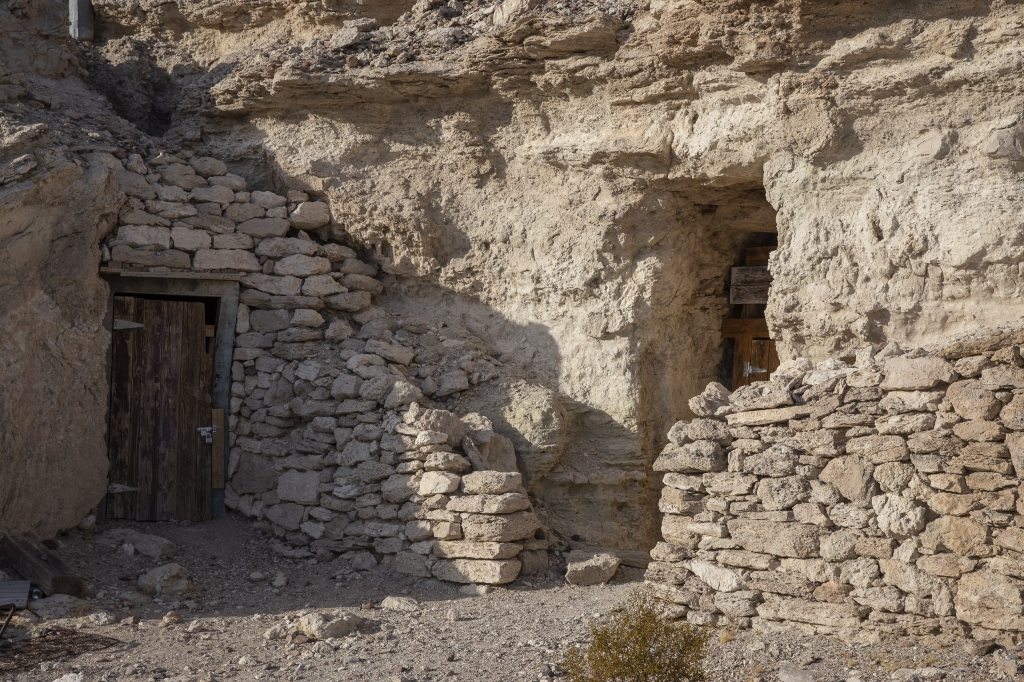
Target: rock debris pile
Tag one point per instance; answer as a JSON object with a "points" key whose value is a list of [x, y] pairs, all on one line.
{"points": [[879, 497], [334, 438]]}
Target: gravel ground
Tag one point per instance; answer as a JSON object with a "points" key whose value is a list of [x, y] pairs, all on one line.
{"points": [[519, 632]]}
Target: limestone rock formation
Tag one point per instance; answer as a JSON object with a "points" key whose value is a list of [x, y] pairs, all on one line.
{"points": [[568, 183]]}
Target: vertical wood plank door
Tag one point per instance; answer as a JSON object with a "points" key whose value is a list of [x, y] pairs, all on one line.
{"points": [[160, 394]]}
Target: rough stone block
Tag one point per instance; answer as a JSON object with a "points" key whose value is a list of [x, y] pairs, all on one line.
{"points": [[310, 215], [491, 482], [777, 461], [438, 483], [298, 265], [816, 613], [697, 457], [263, 227], [719, 578], [766, 417], [446, 549], [226, 259], [781, 539], [169, 258], [299, 486], [590, 568], [350, 302], [478, 571], [916, 374], [501, 528], [490, 504]]}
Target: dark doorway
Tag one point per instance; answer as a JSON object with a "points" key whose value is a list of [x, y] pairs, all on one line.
{"points": [[160, 396], [751, 355]]}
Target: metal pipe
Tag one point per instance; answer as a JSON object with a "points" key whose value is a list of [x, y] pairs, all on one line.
{"points": [[81, 20]]}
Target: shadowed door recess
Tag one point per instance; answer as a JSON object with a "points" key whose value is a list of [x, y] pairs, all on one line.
{"points": [[754, 354], [160, 465]]}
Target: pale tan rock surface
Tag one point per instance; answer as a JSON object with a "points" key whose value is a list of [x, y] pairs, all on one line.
{"points": [[590, 245]]}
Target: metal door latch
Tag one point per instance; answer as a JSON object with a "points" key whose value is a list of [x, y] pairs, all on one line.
{"points": [[749, 369], [207, 432]]}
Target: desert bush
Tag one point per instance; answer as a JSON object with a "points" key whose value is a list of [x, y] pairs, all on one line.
{"points": [[636, 642]]}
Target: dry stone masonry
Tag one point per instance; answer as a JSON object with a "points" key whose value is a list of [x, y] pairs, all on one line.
{"points": [[335, 440], [877, 497]]}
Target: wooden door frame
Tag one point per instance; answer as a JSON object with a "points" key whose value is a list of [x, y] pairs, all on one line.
{"points": [[226, 290]]}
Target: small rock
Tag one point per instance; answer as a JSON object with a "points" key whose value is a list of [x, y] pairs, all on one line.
{"points": [[791, 673], [280, 580], [71, 677], [322, 626], [130, 620], [256, 576], [102, 618], [173, 618], [152, 546], [590, 568], [978, 647], [169, 579], [406, 604]]}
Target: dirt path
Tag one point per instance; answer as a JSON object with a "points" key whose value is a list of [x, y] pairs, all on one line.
{"points": [[516, 633]]}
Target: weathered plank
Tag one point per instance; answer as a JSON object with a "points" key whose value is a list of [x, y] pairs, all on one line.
{"points": [[192, 454], [749, 275], [125, 390], [217, 454], [749, 294], [34, 562], [754, 327]]}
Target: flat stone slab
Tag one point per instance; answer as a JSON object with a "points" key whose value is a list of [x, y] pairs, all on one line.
{"points": [[765, 417]]}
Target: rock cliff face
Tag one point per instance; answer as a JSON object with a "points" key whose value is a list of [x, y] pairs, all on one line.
{"points": [[572, 182], [54, 208]]}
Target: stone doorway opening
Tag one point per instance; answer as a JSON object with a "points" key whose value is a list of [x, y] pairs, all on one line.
{"points": [[169, 368], [749, 352]]}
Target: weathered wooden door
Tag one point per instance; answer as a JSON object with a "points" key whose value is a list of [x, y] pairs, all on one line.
{"points": [[754, 357], [160, 394]]}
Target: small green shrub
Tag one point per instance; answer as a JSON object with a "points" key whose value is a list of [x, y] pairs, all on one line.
{"points": [[637, 643]]}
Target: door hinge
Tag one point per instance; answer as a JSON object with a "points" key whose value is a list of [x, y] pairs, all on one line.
{"points": [[207, 432], [125, 324], [749, 369]]}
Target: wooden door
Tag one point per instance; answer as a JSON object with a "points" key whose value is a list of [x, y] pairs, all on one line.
{"points": [[160, 393], [755, 357]]}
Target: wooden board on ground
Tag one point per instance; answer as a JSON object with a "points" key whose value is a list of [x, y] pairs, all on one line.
{"points": [[34, 562]]}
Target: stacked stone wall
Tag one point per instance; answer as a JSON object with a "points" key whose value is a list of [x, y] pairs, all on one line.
{"points": [[881, 497], [334, 436]]}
